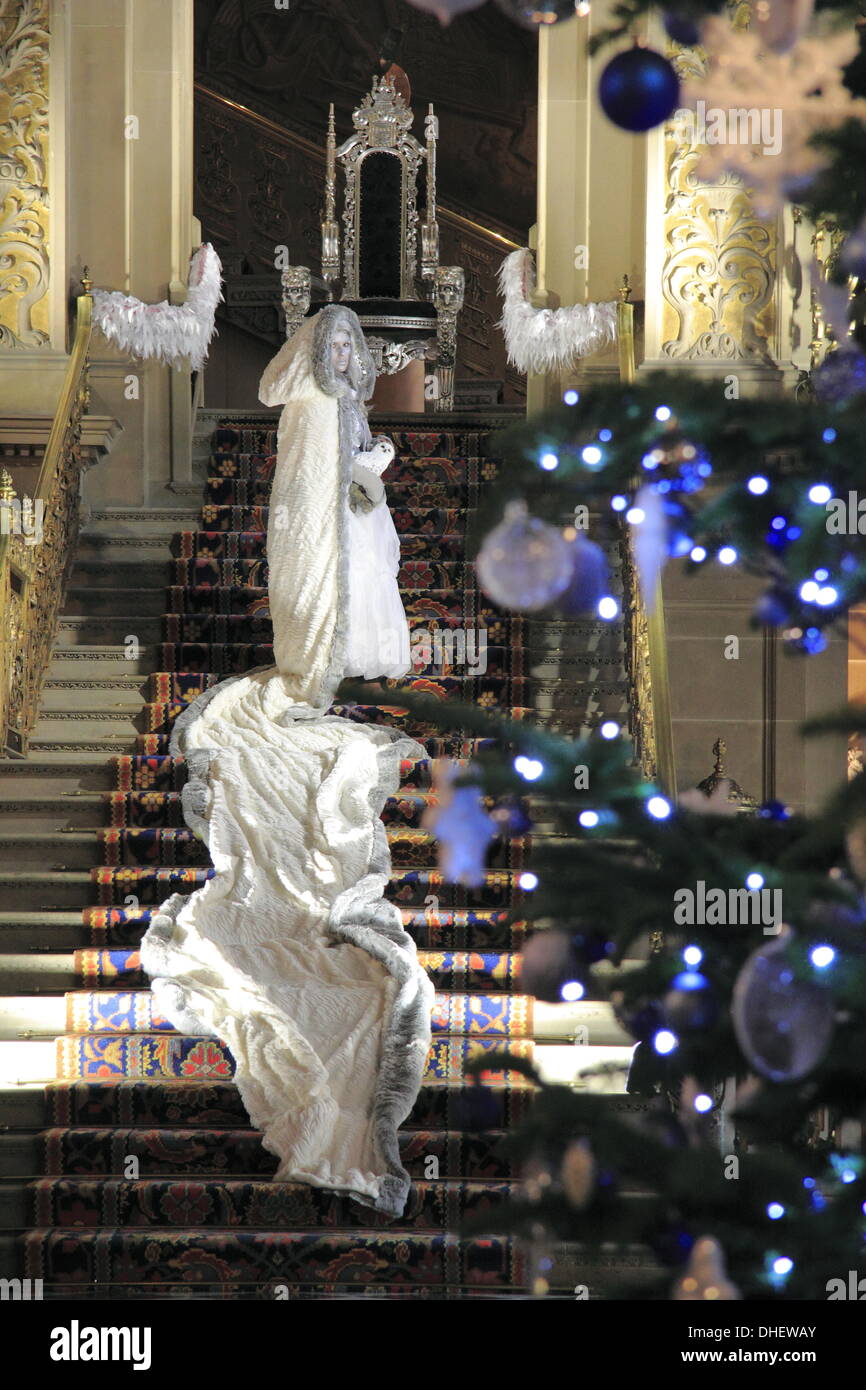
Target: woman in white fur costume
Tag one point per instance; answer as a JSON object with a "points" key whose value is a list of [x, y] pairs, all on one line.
{"points": [[332, 546], [290, 954]]}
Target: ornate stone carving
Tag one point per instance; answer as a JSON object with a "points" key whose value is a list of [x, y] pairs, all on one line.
{"points": [[297, 282], [382, 122], [391, 357], [719, 264], [449, 285], [24, 214]]}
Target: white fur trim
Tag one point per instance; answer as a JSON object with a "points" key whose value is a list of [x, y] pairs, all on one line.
{"points": [[168, 332], [548, 340]]}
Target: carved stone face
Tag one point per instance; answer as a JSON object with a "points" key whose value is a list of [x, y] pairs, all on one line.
{"points": [[341, 350], [449, 289], [296, 287]]}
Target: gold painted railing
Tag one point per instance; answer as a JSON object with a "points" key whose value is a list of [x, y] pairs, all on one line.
{"points": [[37, 543], [646, 641]]}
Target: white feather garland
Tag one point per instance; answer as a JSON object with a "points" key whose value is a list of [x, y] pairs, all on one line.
{"points": [[170, 333], [547, 340]]}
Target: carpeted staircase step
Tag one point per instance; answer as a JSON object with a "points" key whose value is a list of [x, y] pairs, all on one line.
{"points": [[212, 1151], [47, 1010], [155, 810], [250, 545], [55, 971], [202, 573], [191, 1106], [262, 1263], [473, 932], [130, 1011], [70, 1203]]}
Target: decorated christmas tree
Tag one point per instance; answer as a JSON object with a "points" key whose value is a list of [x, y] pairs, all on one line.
{"points": [[730, 943]]}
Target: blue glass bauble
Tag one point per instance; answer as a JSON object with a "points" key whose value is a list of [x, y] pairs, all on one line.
{"points": [[523, 563], [681, 28], [638, 89], [589, 577], [840, 376], [783, 1023]]}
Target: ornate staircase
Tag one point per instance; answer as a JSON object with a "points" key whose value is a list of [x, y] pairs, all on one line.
{"points": [[127, 1164]]}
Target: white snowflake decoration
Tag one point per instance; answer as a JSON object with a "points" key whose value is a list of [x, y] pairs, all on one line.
{"points": [[757, 109]]}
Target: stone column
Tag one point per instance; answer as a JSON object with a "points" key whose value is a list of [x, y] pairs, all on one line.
{"points": [[591, 189]]}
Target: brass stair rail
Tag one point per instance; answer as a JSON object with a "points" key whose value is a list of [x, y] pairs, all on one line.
{"points": [[647, 645], [37, 542]]}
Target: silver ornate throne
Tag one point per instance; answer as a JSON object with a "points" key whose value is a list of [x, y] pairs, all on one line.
{"points": [[407, 303]]}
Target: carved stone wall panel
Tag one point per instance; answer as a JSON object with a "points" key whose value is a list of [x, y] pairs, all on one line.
{"points": [[719, 264], [24, 195]]}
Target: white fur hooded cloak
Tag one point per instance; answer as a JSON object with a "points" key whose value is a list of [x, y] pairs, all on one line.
{"points": [[290, 953]]}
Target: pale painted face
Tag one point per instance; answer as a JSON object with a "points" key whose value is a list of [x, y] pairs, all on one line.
{"points": [[341, 350]]}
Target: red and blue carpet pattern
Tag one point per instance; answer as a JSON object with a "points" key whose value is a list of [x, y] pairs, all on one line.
{"points": [[153, 1180]]}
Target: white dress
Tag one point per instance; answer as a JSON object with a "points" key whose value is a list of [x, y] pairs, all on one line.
{"points": [[378, 634]]}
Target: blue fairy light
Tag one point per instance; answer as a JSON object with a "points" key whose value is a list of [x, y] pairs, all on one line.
{"points": [[703, 1103], [693, 955], [665, 1042], [549, 461], [821, 575], [528, 881], [819, 493], [592, 455], [635, 515], [813, 641], [754, 881], [698, 554], [663, 412], [609, 729], [758, 485], [588, 819], [822, 956], [705, 468], [618, 502], [778, 523], [794, 533], [571, 396], [572, 991], [663, 485], [658, 807], [530, 769], [605, 436], [607, 608], [827, 596], [828, 436], [649, 462], [809, 591], [775, 1211], [783, 1265], [727, 555]]}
